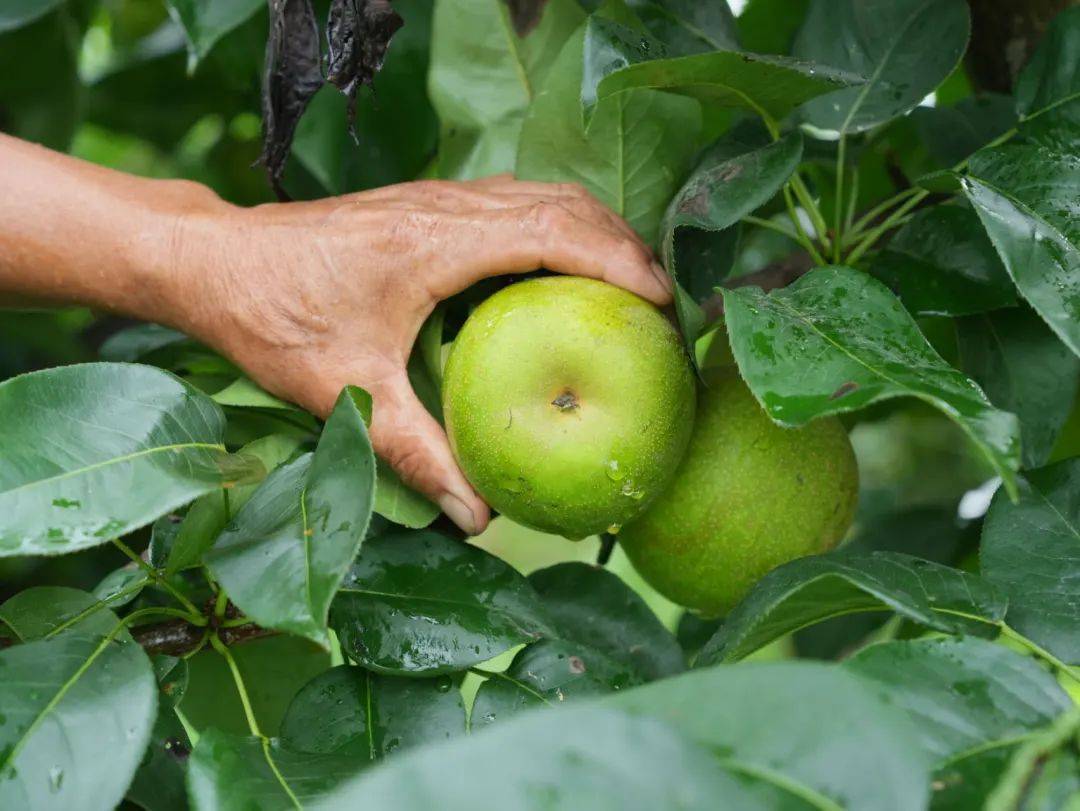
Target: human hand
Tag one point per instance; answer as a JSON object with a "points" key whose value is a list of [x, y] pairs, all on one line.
{"points": [[308, 297]]}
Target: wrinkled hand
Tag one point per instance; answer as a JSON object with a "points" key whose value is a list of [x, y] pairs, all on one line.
{"points": [[308, 297]]}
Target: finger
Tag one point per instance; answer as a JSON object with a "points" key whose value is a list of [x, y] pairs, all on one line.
{"points": [[542, 235], [409, 439]]}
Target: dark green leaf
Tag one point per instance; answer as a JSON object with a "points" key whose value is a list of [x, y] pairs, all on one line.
{"points": [[76, 431], [735, 178], [122, 585], [44, 610], [769, 26], [207, 21], [232, 772], [955, 133], [903, 48], [618, 59], [1031, 551], [942, 263], [823, 734], [1048, 88], [274, 669], [966, 783], [420, 602], [1025, 369], [159, 783], [1028, 199], [966, 695], [591, 758], [483, 79], [172, 676], [284, 556], [638, 146], [65, 701], [837, 340], [352, 711], [546, 674], [688, 26], [816, 588], [592, 608], [694, 631], [1044, 773], [17, 13]]}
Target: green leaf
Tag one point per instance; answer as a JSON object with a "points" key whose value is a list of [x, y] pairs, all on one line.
{"points": [[769, 26], [903, 48], [1048, 88], [243, 393], [942, 263], [546, 674], [1028, 199], [159, 784], [618, 59], [590, 757], [821, 733], [230, 772], [1031, 551], [121, 586], [1025, 369], [397, 141], [63, 702], [483, 78], [274, 669], [136, 342], [837, 340], [737, 176], [422, 603], [207, 21], [284, 556], [395, 500], [688, 26], [38, 612], [638, 146], [18, 13], [816, 588], [76, 431], [352, 711], [1044, 773], [592, 608], [966, 695], [954, 133]]}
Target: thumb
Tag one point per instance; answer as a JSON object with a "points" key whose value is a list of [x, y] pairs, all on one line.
{"points": [[413, 443]]}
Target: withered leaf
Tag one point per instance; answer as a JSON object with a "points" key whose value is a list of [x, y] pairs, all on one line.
{"points": [[358, 33]]}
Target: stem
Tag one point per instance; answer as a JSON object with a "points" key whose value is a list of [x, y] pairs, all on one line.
{"points": [[221, 605], [872, 214], [219, 646], [852, 200], [1070, 671], [772, 226], [154, 575], [802, 239], [192, 733], [806, 200], [838, 206], [891, 221]]}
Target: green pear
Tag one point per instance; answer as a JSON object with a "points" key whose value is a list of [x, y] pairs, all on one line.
{"points": [[568, 403], [749, 495]]}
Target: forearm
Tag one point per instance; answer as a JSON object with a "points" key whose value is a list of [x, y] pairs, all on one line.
{"points": [[75, 233]]}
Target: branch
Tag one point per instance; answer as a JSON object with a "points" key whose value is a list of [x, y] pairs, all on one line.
{"points": [[178, 638]]}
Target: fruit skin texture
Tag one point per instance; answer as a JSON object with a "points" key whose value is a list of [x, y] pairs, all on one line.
{"points": [[569, 403], [748, 496]]}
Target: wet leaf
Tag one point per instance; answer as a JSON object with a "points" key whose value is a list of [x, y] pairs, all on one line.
{"points": [[903, 48], [942, 263], [74, 432], [422, 603], [284, 555], [1028, 199], [351, 711], [589, 757], [1048, 88], [1025, 369], [159, 784], [957, 132], [618, 58], [688, 26], [966, 695], [816, 588], [292, 76], [63, 701], [1031, 551], [43, 611], [483, 79], [637, 148], [736, 176], [837, 340], [841, 744]]}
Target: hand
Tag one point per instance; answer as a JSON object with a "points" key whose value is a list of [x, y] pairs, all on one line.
{"points": [[308, 297]]}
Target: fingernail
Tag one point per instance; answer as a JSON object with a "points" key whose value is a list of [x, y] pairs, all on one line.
{"points": [[661, 275], [458, 512]]}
